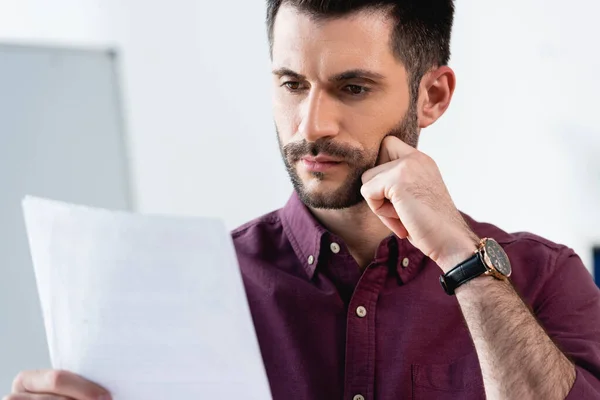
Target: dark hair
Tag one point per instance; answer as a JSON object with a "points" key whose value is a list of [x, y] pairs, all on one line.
{"points": [[421, 38]]}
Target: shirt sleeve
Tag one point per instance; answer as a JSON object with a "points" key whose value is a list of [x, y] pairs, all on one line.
{"points": [[586, 386], [569, 311]]}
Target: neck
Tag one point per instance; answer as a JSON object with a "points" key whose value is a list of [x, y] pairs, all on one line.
{"points": [[361, 230]]}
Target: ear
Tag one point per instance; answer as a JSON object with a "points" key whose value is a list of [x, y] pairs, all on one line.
{"points": [[435, 94]]}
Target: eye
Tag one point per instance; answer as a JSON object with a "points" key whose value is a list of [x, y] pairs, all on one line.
{"points": [[292, 86], [356, 90]]}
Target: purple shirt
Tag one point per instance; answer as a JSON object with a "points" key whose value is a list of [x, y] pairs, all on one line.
{"points": [[329, 331]]}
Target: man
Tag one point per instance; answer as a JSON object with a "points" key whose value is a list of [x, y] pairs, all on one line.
{"points": [[344, 281]]}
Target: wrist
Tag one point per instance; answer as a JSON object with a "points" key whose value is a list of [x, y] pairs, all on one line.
{"points": [[480, 285], [458, 252]]}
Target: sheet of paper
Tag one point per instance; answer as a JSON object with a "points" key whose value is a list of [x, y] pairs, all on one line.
{"points": [[150, 307]]}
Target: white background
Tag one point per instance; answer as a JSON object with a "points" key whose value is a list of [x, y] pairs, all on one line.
{"points": [[519, 146]]}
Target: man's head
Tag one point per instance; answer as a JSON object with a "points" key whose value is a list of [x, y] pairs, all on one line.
{"points": [[348, 73]]}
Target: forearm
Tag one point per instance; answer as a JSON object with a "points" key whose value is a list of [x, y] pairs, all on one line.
{"points": [[518, 360]]}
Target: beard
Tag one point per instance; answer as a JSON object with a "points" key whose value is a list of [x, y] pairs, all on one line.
{"points": [[358, 161]]}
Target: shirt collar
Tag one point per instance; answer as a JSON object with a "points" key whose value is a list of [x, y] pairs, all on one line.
{"points": [[303, 231], [306, 235]]}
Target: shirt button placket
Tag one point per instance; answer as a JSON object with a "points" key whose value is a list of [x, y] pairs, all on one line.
{"points": [[361, 334]]}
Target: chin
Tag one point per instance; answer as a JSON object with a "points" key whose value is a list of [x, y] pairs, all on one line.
{"points": [[329, 202], [330, 197], [323, 190]]}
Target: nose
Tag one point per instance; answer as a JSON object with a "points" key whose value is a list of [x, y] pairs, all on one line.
{"points": [[319, 117]]}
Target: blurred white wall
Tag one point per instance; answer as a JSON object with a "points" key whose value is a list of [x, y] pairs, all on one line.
{"points": [[197, 80], [70, 22], [60, 137], [519, 146]]}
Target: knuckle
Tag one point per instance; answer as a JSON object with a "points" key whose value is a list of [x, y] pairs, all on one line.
{"points": [[365, 177], [93, 391], [403, 168], [56, 379], [425, 160], [364, 190], [18, 380]]}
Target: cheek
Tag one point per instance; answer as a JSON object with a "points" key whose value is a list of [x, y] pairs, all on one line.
{"points": [[367, 131], [286, 116]]}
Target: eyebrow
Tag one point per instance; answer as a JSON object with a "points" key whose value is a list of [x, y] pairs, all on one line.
{"points": [[344, 76]]}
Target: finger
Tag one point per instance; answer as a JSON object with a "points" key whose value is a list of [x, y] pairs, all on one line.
{"points": [[369, 174], [391, 153], [386, 212], [392, 149], [388, 215], [58, 382], [396, 226], [374, 194], [377, 200], [31, 396]]}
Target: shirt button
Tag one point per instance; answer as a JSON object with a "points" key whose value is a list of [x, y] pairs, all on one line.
{"points": [[361, 312], [405, 262], [358, 397], [311, 260], [335, 248]]}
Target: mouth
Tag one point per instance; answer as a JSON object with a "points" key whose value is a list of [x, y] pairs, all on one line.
{"points": [[320, 163]]}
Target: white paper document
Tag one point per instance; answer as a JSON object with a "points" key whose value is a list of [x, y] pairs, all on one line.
{"points": [[150, 307]]}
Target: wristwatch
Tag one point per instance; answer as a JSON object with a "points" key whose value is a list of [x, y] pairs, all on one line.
{"points": [[488, 259]]}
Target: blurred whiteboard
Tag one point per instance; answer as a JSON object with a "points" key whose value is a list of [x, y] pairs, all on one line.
{"points": [[61, 136]]}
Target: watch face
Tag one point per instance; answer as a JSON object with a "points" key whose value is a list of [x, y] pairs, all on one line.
{"points": [[497, 257]]}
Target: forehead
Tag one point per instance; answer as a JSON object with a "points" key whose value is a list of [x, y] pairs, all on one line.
{"points": [[358, 40]]}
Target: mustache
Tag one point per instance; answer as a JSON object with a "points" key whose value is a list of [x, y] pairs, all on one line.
{"points": [[296, 150]]}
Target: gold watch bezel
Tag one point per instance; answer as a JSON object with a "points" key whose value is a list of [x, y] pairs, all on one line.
{"points": [[491, 269]]}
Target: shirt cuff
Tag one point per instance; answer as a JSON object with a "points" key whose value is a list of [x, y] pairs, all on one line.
{"points": [[586, 386]]}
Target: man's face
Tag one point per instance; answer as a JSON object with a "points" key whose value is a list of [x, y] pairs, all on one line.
{"points": [[338, 91]]}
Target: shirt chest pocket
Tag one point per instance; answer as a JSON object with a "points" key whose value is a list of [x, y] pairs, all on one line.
{"points": [[460, 379]]}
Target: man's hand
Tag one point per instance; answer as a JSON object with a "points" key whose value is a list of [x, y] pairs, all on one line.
{"points": [[407, 192], [54, 385], [517, 357]]}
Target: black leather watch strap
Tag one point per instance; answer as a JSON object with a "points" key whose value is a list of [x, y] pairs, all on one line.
{"points": [[462, 273]]}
